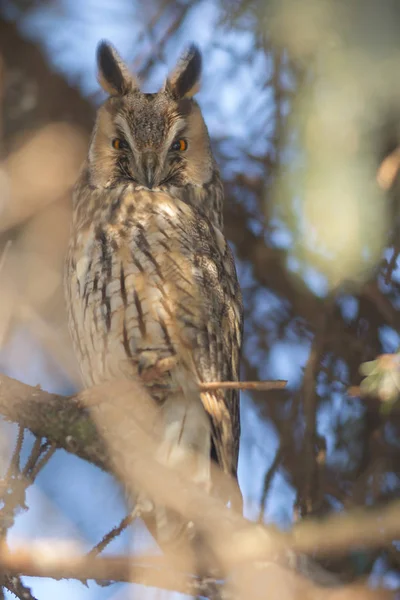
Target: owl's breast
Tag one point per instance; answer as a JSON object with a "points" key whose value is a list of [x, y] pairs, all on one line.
{"points": [[148, 280], [128, 282]]}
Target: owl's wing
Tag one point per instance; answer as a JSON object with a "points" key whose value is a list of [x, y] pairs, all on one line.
{"points": [[217, 353], [199, 307], [217, 336]]}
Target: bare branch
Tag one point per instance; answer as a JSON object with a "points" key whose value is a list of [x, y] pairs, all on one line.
{"points": [[260, 386], [62, 419], [373, 528], [115, 532], [235, 541], [14, 584], [60, 561], [308, 490]]}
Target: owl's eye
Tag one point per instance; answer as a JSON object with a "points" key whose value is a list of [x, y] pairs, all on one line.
{"points": [[119, 144], [179, 145]]}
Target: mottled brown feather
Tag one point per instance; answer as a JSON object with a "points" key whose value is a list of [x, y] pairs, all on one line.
{"points": [[150, 279]]}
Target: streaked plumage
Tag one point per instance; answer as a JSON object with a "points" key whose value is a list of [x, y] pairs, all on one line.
{"points": [[149, 274]]}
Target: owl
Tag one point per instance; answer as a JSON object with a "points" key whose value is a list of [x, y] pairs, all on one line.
{"points": [[151, 286]]}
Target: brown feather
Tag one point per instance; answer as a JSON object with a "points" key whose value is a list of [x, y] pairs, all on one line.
{"points": [[151, 285]]}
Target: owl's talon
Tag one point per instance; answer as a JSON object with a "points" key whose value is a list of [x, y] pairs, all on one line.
{"points": [[149, 369], [147, 360]]}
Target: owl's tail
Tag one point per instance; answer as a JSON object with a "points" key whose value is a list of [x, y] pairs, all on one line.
{"points": [[185, 445]]}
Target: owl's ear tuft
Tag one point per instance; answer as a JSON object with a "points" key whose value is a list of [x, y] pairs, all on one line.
{"points": [[184, 81], [114, 76]]}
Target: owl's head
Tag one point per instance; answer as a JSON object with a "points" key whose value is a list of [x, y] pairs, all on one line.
{"points": [[156, 139]]}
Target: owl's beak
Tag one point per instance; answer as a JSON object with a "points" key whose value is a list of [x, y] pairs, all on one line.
{"points": [[149, 163]]}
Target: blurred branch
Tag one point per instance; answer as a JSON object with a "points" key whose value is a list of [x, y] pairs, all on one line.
{"points": [[268, 479], [12, 498], [115, 532], [268, 264], [55, 99], [308, 487], [373, 528], [66, 421], [180, 13], [388, 169], [58, 561], [384, 306], [14, 585], [285, 443]]}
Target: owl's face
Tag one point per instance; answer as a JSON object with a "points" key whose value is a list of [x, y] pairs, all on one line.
{"points": [[153, 140]]}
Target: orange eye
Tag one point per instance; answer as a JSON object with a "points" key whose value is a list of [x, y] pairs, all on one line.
{"points": [[119, 144], [180, 145]]}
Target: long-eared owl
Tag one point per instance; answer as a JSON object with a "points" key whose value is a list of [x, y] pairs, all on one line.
{"points": [[150, 279]]}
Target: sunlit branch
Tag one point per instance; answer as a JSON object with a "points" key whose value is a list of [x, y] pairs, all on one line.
{"points": [[58, 561], [61, 419], [261, 386]]}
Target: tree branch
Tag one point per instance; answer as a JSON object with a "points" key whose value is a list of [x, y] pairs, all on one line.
{"points": [[67, 422], [59, 561], [63, 420]]}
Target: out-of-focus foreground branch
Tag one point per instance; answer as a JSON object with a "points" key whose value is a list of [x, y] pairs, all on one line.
{"points": [[122, 415], [60, 561]]}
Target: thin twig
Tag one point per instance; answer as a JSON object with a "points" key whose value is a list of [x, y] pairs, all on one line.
{"points": [[14, 488], [286, 440], [115, 532], [166, 364], [267, 480], [14, 584], [382, 303], [41, 462], [243, 385], [14, 466], [58, 562], [16, 482], [391, 265], [33, 457], [308, 491], [169, 31]]}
